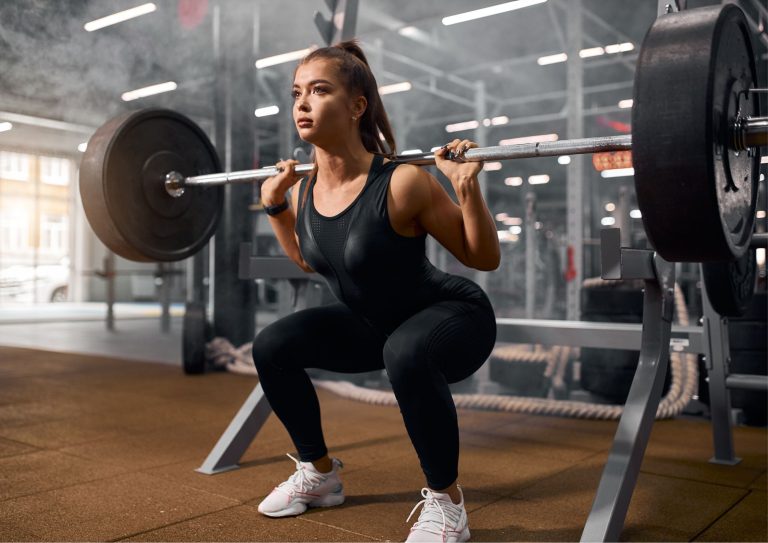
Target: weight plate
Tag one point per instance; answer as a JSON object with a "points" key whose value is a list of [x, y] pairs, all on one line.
{"points": [[730, 285], [696, 195], [194, 337], [122, 176]]}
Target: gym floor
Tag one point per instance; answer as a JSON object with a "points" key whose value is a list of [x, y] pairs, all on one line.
{"points": [[103, 446]]}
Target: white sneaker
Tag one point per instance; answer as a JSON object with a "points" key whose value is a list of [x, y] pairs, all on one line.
{"points": [[440, 519], [305, 488]]}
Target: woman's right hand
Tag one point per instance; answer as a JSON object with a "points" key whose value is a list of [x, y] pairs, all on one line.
{"points": [[273, 189]]}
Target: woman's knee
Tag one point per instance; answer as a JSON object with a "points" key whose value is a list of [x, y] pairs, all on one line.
{"points": [[405, 357], [270, 348]]}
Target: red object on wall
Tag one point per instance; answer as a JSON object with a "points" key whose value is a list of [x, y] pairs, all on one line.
{"points": [[612, 160], [570, 270], [192, 12]]}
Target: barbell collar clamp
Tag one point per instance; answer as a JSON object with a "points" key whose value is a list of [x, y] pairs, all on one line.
{"points": [[749, 132]]}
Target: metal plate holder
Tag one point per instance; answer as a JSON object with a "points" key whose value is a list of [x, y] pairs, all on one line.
{"points": [[617, 483]]}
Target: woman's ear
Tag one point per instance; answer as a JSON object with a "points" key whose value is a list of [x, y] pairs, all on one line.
{"points": [[359, 106]]}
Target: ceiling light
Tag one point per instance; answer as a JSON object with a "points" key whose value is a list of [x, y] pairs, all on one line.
{"points": [[619, 48], [764, 160], [635, 214], [489, 11], [530, 139], [607, 221], [458, 127], [82, 147], [513, 181], [626, 104], [409, 31], [266, 111], [149, 91], [542, 179], [283, 58], [619, 172], [591, 52], [395, 87], [761, 214], [412, 152], [120, 17], [501, 119], [491, 166], [486, 122], [513, 221], [501, 216], [610, 206], [552, 59], [565, 159], [515, 229], [5, 127]]}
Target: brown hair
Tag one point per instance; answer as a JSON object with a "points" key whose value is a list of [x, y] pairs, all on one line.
{"points": [[356, 75]]}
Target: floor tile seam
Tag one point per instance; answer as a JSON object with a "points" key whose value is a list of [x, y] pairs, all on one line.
{"points": [[16, 441], [176, 522], [303, 519], [591, 451], [762, 472], [692, 480], [720, 516]]}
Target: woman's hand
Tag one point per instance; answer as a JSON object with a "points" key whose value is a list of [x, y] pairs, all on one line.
{"points": [[456, 170], [273, 189]]}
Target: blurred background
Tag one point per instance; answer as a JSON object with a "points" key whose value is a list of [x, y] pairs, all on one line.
{"points": [[549, 70]]}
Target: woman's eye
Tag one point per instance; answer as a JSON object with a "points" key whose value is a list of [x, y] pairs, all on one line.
{"points": [[318, 90]]}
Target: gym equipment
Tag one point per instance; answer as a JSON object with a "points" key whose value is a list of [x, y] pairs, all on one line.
{"points": [[731, 284], [195, 333], [150, 194], [121, 177]]}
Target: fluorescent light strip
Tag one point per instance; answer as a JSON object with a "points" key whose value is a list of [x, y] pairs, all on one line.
{"points": [[5, 127], [458, 127], [149, 91], [491, 166], [530, 139], [513, 181], [626, 104], [542, 179], [82, 147], [761, 214], [412, 152], [515, 229], [489, 11], [607, 221], [635, 214], [619, 172], [552, 59], [395, 87], [283, 58], [591, 52], [120, 17], [619, 48], [409, 31], [764, 160], [513, 221], [267, 111], [565, 159]]}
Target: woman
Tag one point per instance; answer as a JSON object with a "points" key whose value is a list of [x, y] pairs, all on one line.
{"points": [[361, 221]]}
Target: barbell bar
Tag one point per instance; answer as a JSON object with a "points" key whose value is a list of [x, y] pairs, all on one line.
{"points": [[695, 143]]}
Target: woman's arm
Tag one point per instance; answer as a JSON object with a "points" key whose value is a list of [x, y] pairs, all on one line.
{"points": [[467, 230], [273, 192]]}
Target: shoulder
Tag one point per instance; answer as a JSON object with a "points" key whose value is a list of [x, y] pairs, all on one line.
{"points": [[410, 182]]}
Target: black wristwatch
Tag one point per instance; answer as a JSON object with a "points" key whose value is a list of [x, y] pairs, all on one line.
{"points": [[276, 209]]}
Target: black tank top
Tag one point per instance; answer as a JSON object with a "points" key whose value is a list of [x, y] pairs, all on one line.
{"points": [[381, 275]]}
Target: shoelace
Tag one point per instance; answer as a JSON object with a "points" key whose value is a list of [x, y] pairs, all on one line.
{"points": [[303, 479], [429, 515]]}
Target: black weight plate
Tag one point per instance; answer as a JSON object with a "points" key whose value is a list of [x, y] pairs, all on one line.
{"points": [[122, 177], [193, 336], [730, 285], [697, 197]]}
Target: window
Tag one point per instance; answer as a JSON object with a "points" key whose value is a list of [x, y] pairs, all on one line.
{"points": [[53, 234], [14, 231], [14, 166], [54, 171]]}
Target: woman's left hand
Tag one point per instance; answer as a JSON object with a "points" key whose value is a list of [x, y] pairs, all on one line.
{"points": [[455, 170]]}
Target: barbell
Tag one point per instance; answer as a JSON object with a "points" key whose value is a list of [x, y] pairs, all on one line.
{"points": [[152, 190]]}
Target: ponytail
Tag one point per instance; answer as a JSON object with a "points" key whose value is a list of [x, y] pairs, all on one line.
{"points": [[356, 75]]}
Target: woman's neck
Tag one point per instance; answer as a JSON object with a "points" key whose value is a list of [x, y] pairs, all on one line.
{"points": [[341, 164]]}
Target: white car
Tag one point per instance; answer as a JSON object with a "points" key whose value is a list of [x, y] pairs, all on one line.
{"points": [[46, 283]]}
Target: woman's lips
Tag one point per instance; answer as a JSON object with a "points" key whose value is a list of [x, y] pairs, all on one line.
{"points": [[304, 123]]}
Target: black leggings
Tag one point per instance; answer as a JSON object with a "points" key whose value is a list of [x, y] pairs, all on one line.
{"points": [[444, 343]]}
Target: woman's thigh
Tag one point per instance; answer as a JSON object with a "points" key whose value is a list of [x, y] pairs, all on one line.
{"points": [[455, 337], [329, 337]]}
